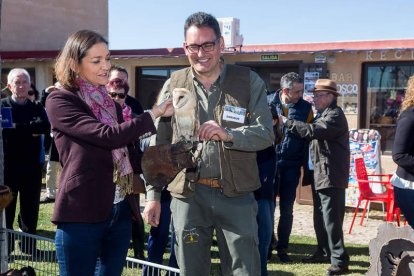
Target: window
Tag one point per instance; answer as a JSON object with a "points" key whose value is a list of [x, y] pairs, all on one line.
{"points": [[384, 85], [149, 82]]}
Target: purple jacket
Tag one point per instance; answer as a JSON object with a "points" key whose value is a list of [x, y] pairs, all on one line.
{"points": [[86, 190]]}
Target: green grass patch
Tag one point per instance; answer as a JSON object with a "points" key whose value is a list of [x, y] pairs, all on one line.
{"points": [[300, 247]]}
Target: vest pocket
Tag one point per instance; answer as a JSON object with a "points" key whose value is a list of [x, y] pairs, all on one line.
{"points": [[243, 171]]}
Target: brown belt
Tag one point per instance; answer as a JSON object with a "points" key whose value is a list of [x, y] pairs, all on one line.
{"points": [[213, 183]]}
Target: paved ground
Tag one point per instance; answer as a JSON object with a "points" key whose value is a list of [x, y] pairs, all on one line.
{"points": [[303, 224]]}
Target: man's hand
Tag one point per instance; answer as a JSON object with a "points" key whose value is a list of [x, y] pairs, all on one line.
{"points": [[152, 212], [211, 130], [282, 119]]}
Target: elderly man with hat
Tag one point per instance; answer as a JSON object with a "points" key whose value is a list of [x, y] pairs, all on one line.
{"points": [[329, 157]]}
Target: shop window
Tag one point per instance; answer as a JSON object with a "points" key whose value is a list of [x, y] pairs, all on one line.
{"points": [[149, 83], [385, 89]]}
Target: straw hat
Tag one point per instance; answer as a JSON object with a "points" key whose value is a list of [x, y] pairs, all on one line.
{"points": [[326, 85]]}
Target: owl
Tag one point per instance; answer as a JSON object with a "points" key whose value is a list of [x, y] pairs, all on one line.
{"points": [[185, 121]]}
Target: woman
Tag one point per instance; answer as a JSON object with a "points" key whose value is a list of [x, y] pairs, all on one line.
{"points": [[94, 201], [403, 156], [118, 91]]}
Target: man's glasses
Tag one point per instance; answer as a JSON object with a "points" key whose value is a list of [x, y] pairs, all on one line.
{"points": [[119, 95], [207, 47], [31, 93]]}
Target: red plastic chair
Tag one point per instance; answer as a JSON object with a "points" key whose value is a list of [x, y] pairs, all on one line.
{"points": [[365, 192], [394, 212]]}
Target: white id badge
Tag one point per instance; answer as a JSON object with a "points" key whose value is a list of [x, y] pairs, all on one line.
{"points": [[234, 114]]}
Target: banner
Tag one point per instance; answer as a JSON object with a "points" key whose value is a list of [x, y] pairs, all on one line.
{"points": [[363, 143]]}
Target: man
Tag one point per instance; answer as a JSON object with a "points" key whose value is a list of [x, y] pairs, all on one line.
{"points": [[235, 122], [119, 72], [329, 152], [22, 146], [288, 102]]}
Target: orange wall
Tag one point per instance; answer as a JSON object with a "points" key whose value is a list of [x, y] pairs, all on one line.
{"points": [[45, 24]]}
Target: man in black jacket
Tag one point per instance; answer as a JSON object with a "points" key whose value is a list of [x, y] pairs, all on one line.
{"points": [[22, 146], [329, 152], [288, 102]]}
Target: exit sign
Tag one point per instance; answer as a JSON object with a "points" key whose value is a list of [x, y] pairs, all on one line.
{"points": [[269, 57]]}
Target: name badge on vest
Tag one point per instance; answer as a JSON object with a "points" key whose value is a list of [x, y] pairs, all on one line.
{"points": [[234, 114]]}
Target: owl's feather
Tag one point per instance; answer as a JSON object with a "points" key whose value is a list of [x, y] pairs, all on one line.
{"points": [[185, 120]]}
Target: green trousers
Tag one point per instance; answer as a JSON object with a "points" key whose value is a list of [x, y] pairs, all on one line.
{"points": [[234, 221]]}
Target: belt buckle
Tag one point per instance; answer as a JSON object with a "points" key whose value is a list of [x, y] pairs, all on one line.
{"points": [[214, 182]]}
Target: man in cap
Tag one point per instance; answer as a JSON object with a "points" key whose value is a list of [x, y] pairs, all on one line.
{"points": [[329, 155]]}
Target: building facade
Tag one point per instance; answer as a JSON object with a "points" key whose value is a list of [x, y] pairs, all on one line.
{"points": [[44, 25], [371, 75]]}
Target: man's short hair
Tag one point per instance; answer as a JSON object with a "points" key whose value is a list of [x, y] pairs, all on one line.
{"points": [[288, 79], [118, 68], [15, 72], [202, 19]]}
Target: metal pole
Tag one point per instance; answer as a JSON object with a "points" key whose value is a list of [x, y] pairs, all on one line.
{"points": [[3, 242]]}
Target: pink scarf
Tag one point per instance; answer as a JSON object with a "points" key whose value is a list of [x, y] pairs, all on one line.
{"points": [[103, 107], [127, 113]]}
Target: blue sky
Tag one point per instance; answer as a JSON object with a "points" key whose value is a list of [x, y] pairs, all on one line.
{"points": [[144, 24]]}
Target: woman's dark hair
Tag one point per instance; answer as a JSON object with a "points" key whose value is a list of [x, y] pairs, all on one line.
{"points": [[118, 84], [73, 52]]}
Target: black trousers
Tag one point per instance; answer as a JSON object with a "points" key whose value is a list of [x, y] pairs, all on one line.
{"points": [[138, 235], [25, 182], [328, 218]]}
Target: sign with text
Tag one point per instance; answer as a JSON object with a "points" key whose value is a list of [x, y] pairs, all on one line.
{"points": [[6, 117], [269, 57]]}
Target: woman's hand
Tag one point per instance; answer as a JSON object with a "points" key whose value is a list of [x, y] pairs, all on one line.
{"points": [[164, 109]]}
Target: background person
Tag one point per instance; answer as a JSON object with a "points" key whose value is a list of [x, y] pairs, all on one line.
{"points": [[403, 156], [329, 152], [118, 90], [119, 72], [159, 236], [22, 155], [53, 170], [34, 96], [94, 203], [53, 167], [291, 151], [222, 199], [266, 194], [116, 74], [266, 202]]}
